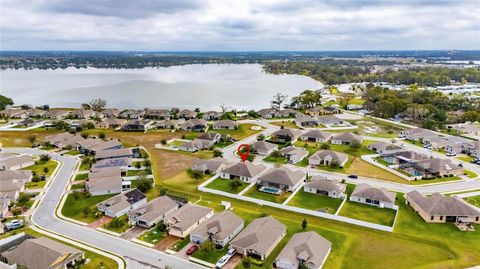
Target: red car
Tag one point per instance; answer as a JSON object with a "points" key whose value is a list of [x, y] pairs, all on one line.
{"points": [[192, 249]]}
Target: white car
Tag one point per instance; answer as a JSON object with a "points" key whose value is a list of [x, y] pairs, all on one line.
{"points": [[14, 224], [223, 260]]}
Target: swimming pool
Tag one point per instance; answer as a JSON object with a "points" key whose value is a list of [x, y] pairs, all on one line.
{"points": [[270, 190]]}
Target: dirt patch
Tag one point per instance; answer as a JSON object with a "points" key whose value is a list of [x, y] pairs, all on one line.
{"points": [[233, 262], [100, 222], [166, 243]]}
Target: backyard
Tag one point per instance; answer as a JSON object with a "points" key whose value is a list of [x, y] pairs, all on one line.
{"points": [[315, 202], [224, 185], [254, 193], [80, 207]]}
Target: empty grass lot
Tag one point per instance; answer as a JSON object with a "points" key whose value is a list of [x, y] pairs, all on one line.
{"points": [[383, 216], [222, 184], [474, 200], [82, 208], [254, 193], [315, 202]]}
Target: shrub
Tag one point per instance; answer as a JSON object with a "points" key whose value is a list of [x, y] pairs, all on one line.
{"points": [[194, 174], [163, 142], [246, 262], [217, 153], [46, 170], [144, 185], [35, 179], [161, 226], [44, 158], [102, 135]]}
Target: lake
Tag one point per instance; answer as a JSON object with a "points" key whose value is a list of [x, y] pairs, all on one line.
{"points": [[240, 86]]}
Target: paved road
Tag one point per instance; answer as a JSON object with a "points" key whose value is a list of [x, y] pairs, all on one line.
{"points": [[44, 217]]}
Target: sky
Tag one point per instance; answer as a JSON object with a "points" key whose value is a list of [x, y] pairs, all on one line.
{"points": [[239, 25]]}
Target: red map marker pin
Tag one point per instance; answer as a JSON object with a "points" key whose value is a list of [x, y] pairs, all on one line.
{"points": [[243, 150]]}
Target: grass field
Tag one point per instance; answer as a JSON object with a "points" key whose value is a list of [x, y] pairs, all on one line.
{"points": [[474, 200], [72, 152], [210, 256], [82, 176], [470, 174], [131, 173], [224, 185], [38, 167], [82, 208], [243, 131], [35, 185], [279, 160], [180, 244], [285, 123], [315, 202]]}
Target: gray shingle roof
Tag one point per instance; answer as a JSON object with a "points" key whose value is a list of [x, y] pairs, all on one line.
{"points": [[322, 183], [438, 204], [246, 169], [220, 225], [283, 176], [366, 191]]}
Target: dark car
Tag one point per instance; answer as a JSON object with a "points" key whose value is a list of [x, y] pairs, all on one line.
{"points": [[353, 176], [192, 249]]}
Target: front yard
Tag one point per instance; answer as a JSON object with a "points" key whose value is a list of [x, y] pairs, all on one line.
{"points": [[210, 255], [243, 131], [180, 244], [39, 168], [83, 208], [222, 184], [254, 193], [118, 225], [153, 236], [315, 202]]}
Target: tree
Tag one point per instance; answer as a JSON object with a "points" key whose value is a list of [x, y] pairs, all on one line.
{"points": [[355, 146], [144, 185], [161, 226], [86, 106], [22, 198], [147, 163], [195, 174], [217, 153], [278, 100], [102, 135], [325, 146], [45, 170], [98, 104], [246, 262], [32, 139], [261, 137], [163, 142], [44, 158], [207, 246], [5, 101], [234, 184], [304, 224]]}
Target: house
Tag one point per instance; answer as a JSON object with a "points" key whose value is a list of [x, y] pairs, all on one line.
{"points": [[16, 162], [152, 212], [247, 171], [317, 111], [264, 148], [289, 113], [202, 141], [212, 115], [321, 185], [328, 158], [122, 203], [267, 113], [111, 123], [472, 149], [354, 107], [417, 134], [366, 194], [114, 153], [12, 182], [211, 166], [57, 114], [316, 136], [41, 253], [80, 123], [26, 122], [282, 178], [197, 125], [306, 121], [83, 114], [158, 114], [382, 147], [331, 110], [63, 140], [347, 139], [186, 114], [294, 154], [110, 113], [225, 124], [438, 208], [438, 167], [123, 163], [137, 125], [169, 124], [188, 217], [259, 238], [36, 113], [285, 135], [304, 250], [105, 145], [105, 181], [131, 114], [331, 120], [468, 128], [220, 228], [16, 175]]}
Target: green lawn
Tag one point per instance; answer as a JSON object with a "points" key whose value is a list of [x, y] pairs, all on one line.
{"points": [[180, 244], [72, 152], [243, 131], [254, 193], [81, 176], [78, 186], [474, 200], [383, 216], [175, 143], [222, 184], [153, 236], [210, 256], [119, 225], [466, 158], [279, 160], [285, 123], [35, 185], [315, 202], [85, 165], [434, 180], [469, 174], [38, 167], [131, 173], [83, 208]]}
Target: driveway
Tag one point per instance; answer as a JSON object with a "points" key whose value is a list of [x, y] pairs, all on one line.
{"points": [[183, 252], [233, 262], [99, 223], [133, 233], [166, 243]]}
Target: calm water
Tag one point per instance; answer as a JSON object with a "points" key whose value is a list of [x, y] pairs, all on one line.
{"points": [[205, 86]]}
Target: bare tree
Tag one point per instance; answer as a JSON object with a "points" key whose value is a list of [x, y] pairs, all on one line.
{"points": [[278, 100], [98, 104]]}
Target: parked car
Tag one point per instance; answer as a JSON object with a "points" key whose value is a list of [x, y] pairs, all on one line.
{"points": [[353, 176], [451, 154], [192, 249], [231, 252], [14, 224], [223, 260]]}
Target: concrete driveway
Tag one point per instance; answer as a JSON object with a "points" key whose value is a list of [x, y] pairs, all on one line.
{"points": [[183, 252]]}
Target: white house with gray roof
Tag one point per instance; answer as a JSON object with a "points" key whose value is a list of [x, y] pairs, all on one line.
{"points": [[185, 219], [327, 158], [316, 135], [264, 148], [225, 124], [286, 135], [220, 228], [120, 204], [16, 162], [282, 178], [346, 139], [152, 212], [307, 249], [247, 172], [322, 185], [366, 194], [294, 154], [259, 238], [210, 166], [383, 147]]}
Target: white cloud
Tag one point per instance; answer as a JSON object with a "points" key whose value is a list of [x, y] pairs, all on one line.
{"points": [[239, 25]]}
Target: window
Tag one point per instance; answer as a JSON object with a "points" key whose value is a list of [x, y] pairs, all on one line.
{"points": [[441, 217], [431, 218]]}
